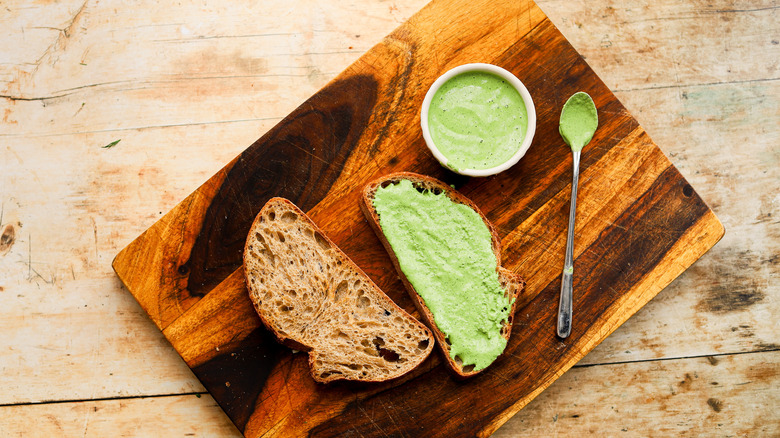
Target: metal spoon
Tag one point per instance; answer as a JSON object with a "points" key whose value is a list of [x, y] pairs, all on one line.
{"points": [[577, 126]]}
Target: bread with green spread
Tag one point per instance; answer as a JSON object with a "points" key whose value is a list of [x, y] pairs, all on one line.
{"points": [[448, 256], [315, 299]]}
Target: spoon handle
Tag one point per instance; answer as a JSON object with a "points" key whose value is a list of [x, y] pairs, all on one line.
{"points": [[565, 305]]}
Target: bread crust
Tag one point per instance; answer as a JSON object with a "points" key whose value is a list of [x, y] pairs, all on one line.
{"points": [[512, 283], [346, 263]]}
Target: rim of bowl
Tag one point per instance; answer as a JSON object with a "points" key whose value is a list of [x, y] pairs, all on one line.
{"points": [[512, 80]]}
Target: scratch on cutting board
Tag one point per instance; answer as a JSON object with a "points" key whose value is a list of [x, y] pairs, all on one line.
{"points": [[31, 270], [29, 256], [86, 419], [365, 413], [94, 230], [307, 152], [389, 415], [60, 43]]}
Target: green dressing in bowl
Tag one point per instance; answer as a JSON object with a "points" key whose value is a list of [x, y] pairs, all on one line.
{"points": [[477, 120]]}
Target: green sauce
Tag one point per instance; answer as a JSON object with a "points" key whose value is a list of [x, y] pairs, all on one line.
{"points": [[477, 120], [579, 121], [444, 250]]}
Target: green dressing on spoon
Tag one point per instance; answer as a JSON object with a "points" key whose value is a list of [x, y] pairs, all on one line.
{"points": [[579, 121]]}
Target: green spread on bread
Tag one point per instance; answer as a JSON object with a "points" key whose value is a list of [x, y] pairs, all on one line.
{"points": [[444, 250]]}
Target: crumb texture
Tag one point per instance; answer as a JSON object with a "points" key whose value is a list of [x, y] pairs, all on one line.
{"points": [[308, 292]]}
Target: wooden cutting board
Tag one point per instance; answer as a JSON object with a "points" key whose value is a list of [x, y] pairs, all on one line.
{"points": [[639, 225]]}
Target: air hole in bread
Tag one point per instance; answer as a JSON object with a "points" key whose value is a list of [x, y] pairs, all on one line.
{"points": [[343, 335], [326, 374], [271, 216], [280, 236], [363, 301], [458, 361], [321, 241], [341, 289], [389, 355], [364, 343], [506, 326], [265, 252], [378, 342], [447, 340], [387, 183], [468, 368], [422, 345], [436, 191], [292, 293], [289, 217], [285, 308], [353, 366]]}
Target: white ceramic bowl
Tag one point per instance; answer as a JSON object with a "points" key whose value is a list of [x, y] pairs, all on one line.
{"points": [[512, 80]]}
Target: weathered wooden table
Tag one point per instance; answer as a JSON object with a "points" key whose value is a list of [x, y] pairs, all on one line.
{"points": [[186, 88]]}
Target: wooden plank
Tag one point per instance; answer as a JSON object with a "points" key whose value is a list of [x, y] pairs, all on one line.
{"points": [[641, 45], [729, 395], [130, 417], [61, 346], [255, 63], [320, 156], [125, 189]]}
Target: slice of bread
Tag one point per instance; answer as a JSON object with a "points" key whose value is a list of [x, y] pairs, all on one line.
{"points": [[511, 283], [315, 299]]}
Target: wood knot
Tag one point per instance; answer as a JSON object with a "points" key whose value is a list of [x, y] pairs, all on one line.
{"points": [[7, 239]]}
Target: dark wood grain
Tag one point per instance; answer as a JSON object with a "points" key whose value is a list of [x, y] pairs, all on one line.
{"points": [[298, 159], [639, 226]]}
